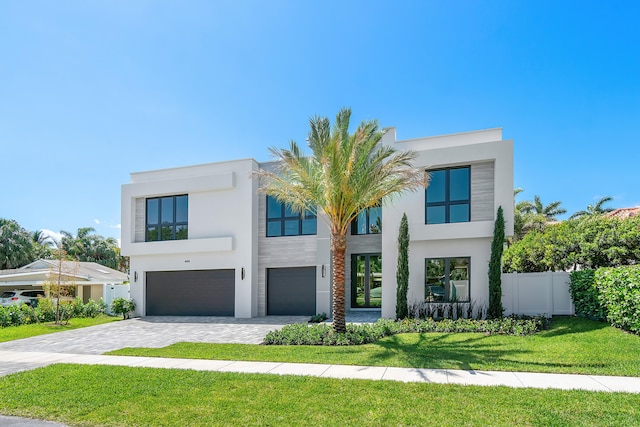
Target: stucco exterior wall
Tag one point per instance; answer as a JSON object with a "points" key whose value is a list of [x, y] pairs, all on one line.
{"points": [[491, 162], [227, 224], [222, 227]]}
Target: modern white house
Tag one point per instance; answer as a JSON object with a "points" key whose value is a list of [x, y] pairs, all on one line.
{"points": [[203, 241]]}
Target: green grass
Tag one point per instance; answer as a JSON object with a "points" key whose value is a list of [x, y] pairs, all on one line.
{"points": [[25, 331], [571, 345], [124, 396]]}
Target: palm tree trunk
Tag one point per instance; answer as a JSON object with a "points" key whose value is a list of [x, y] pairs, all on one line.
{"points": [[338, 249]]}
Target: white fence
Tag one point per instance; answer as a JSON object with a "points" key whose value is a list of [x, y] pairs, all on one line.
{"points": [[537, 293], [111, 292]]}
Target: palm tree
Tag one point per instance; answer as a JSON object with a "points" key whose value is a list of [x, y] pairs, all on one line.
{"points": [[518, 217], [43, 244], [345, 174], [42, 238], [593, 210], [90, 247], [77, 246], [549, 212]]}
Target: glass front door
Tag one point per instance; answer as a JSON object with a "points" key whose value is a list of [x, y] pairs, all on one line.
{"points": [[366, 281]]}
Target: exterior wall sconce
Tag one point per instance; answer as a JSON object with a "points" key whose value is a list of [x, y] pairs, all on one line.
{"points": [[242, 273], [135, 276], [324, 270]]}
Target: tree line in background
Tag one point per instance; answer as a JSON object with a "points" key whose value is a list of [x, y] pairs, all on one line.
{"points": [[19, 247], [536, 216], [588, 239]]}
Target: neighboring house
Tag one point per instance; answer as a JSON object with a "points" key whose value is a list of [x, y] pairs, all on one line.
{"points": [[203, 241], [624, 213], [89, 278]]}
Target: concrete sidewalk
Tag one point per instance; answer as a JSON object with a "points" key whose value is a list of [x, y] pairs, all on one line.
{"points": [[21, 360]]}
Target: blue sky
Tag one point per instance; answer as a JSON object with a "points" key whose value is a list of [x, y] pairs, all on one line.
{"points": [[91, 91]]}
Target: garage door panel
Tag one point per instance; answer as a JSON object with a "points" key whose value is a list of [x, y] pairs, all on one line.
{"points": [[291, 291], [190, 293]]}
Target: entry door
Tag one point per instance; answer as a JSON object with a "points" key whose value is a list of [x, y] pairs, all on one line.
{"points": [[366, 281]]}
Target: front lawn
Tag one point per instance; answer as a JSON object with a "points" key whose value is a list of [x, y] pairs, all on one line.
{"points": [[124, 396], [570, 345], [25, 331]]}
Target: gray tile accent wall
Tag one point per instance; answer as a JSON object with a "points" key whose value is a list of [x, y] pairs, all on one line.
{"points": [[359, 244], [482, 190], [275, 252], [139, 220]]}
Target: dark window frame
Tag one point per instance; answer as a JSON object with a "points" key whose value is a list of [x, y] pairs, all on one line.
{"points": [[354, 224], [448, 203], [446, 285], [283, 219], [367, 274], [173, 224]]}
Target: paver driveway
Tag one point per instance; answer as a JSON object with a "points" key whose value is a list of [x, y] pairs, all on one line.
{"points": [[157, 331]]}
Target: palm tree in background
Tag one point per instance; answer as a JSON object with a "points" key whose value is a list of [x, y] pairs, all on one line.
{"points": [[87, 246], [596, 209], [533, 215], [345, 174], [43, 244], [548, 212]]}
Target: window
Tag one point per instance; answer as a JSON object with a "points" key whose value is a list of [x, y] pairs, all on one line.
{"points": [[167, 218], [282, 221], [448, 196], [368, 221], [447, 279]]}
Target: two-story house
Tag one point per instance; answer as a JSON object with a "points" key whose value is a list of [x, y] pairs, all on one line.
{"points": [[203, 241]]}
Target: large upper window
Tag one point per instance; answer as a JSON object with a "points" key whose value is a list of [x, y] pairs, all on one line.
{"points": [[447, 279], [448, 196], [368, 221], [167, 218], [282, 221]]}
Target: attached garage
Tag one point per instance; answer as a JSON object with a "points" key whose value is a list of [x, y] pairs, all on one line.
{"points": [[190, 293], [291, 291]]}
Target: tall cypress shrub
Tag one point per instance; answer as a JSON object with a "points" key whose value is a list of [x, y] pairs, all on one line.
{"points": [[402, 272], [495, 268]]}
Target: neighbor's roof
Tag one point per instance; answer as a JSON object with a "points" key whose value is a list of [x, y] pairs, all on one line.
{"points": [[623, 213], [85, 271]]}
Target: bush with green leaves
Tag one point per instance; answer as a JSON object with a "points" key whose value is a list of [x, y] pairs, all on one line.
{"points": [[318, 318], [585, 295], [16, 315], [356, 334], [619, 292], [590, 243], [45, 311], [123, 306], [93, 308]]}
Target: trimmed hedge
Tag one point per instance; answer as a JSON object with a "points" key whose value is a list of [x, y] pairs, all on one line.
{"points": [[323, 334], [619, 292], [585, 295], [611, 294]]}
